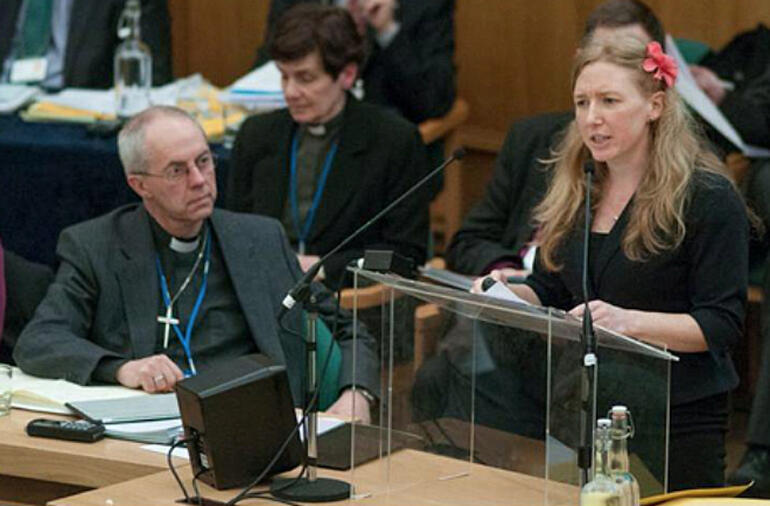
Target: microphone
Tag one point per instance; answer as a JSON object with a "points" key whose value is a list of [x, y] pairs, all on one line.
{"points": [[588, 340], [588, 328], [301, 290]]}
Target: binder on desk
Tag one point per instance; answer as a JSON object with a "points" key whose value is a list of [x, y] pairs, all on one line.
{"points": [[132, 409]]}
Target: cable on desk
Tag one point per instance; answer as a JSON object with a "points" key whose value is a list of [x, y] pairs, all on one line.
{"points": [[179, 442], [198, 499]]}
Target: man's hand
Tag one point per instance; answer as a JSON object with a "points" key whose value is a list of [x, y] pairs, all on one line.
{"points": [[380, 14], [343, 407], [709, 82], [152, 374]]}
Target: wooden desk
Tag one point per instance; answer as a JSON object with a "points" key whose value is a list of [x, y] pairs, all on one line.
{"points": [[37, 469], [484, 485]]}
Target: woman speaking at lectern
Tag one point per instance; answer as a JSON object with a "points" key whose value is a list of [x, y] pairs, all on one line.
{"points": [[668, 244]]}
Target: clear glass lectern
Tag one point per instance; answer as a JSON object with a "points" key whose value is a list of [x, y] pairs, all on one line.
{"points": [[484, 404]]}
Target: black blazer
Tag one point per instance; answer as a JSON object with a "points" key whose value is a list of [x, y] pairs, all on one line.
{"points": [[103, 302], [92, 39], [706, 277], [500, 224], [380, 156], [25, 285], [415, 74]]}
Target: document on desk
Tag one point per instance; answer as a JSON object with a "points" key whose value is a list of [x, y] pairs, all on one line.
{"points": [[14, 96], [158, 432], [51, 395], [260, 88], [133, 409]]}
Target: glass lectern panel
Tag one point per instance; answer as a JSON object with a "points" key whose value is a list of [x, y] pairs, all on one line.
{"points": [[476, 391]]}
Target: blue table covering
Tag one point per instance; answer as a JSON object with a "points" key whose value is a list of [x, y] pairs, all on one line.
{"points": [[56, 175]]}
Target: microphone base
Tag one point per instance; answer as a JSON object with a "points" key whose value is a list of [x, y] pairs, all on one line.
{"points": [[304, 490]]}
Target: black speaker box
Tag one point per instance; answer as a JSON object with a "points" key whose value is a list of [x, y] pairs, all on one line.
{"points": [[235, 417]]}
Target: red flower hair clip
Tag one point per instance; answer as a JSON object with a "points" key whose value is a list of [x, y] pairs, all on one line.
{"points": [[663, 65]]}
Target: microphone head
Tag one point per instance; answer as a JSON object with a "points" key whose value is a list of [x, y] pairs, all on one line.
{"points": [[458, 153], [588, 166]]}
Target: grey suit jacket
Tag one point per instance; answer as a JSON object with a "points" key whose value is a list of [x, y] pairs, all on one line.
{"points": [[104, 300]]}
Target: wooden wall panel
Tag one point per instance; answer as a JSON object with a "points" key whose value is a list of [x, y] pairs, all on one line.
{"points": [[514, 56], [219, 38]]}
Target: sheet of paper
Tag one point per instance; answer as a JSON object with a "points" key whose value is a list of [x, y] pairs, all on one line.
{"points": [[500, 291], [103, 101], [139, 427], [265, 79], [13, 96], [325, 424]]}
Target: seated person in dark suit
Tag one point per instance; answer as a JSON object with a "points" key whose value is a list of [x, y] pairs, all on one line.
{"points": [[79, 42], [411, 44], [328, 163], [22, 286], [155, 291]]}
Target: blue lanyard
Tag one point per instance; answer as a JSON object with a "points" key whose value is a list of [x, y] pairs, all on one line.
{"points": [[186, 338], [304, 231]]}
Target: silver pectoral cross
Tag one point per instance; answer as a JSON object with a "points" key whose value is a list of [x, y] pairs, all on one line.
{"points": [[168, 320]]}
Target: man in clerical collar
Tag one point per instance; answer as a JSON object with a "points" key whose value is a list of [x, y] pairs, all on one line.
{"points": [[153, 292], [327, 163]]}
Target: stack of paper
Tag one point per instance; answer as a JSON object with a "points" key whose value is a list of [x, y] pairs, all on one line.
{"points": [[50, 396], [14, 96], [259, 89]]}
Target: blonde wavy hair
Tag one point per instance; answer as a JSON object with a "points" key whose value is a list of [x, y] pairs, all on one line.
{"points": [[678, 149]]}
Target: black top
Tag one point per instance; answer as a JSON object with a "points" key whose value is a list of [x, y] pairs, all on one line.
{"points": [[706, 277], [380, 156]]}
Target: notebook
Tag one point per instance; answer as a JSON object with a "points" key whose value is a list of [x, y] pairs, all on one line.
{"points": [[131, 409]]}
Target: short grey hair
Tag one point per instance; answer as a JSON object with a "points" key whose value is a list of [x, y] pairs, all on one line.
{"points": [[131, 142]]}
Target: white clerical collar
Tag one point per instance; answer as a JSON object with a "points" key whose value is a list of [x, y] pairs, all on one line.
{"points": [[317, 130], [184, 246]]}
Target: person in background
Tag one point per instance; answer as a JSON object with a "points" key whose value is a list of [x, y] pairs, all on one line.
{"points": [[328, 163], [410, 48], [76, 40], [657, 185], [152, 292]]}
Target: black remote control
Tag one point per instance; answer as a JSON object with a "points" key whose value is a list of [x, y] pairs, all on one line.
{"points": [[71, 430]]}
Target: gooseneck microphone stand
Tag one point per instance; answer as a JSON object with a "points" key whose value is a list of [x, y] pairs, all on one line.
{"points": [[588, 342], [312, 488]]}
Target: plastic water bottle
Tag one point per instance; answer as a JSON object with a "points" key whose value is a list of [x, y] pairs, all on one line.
{"points": [[133, 64]]}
